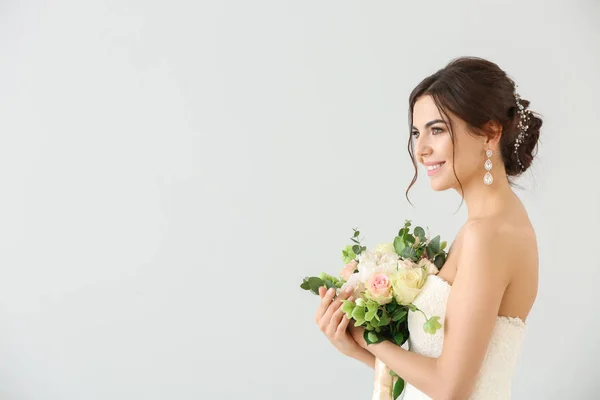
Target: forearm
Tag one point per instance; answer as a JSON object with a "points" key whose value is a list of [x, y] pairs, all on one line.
{"points": [[365, 357], [420, 371]]}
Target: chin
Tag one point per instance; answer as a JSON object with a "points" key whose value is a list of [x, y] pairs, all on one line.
{"points": [[439, 185]]}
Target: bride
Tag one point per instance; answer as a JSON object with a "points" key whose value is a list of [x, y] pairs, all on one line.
{"points": [[471, 132]]}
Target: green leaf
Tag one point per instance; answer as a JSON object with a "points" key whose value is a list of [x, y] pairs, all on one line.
{"points": [[409, 252], [384, 320], [348, 307], [408, 238], [314, 284], [430, 253], [435, 244], [370, 315], [393, 306], [399, 245], [356, 249], [304, 284], [420, 232], [439, 261], [398, 388], [432, 325], [356, 233], [347, 254], [354, 240], [443, 246], [399, 315], [372, 305], [358, 313], [372, 337], [399, 338], [412, 307]]}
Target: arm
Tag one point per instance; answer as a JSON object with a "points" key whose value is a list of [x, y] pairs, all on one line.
{"points": [[482, 277], [366, 357]]}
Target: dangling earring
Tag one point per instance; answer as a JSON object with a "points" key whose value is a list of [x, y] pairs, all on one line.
{"points": [[488, 178]]}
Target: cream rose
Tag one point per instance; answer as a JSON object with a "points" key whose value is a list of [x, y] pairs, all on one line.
{"points": [[379, 288], [407, 284], [429, 267]]}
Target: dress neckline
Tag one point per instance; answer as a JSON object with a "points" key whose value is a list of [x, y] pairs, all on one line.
{"points": [[517, 321]]}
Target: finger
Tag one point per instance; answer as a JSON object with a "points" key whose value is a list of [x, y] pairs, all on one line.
{"points": [[322, 291], [334, 321], [346, 293], [325, 302], [326, 318], [343, 326], [336, 317]]}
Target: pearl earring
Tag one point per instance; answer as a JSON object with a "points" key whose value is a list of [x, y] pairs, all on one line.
{"points": [[488, 178]]}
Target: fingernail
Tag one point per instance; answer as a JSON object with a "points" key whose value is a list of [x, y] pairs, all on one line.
{"points": [[349, 289], [331, 290]]}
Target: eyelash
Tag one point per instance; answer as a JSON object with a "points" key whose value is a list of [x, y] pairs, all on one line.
{"points": [[415, 133]]}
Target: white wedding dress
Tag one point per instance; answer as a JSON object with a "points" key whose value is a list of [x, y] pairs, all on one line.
{"points": [[503, 352]]}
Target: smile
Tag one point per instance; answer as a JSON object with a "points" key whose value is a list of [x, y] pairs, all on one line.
{"points": [[433, 169]]}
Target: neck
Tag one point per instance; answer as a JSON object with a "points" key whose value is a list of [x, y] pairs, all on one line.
{"points": [[487, 200]]}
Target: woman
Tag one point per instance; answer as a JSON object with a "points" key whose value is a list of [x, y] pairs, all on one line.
{"points": [[472, 132]]}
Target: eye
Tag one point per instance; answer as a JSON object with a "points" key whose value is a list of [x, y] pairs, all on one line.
{"points": [[437, 130], [415, 134]]}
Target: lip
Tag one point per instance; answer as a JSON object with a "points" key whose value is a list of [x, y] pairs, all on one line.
{"points": [[434, 171]]}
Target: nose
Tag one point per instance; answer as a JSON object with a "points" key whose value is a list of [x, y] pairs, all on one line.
{"points": [[422, 147]]}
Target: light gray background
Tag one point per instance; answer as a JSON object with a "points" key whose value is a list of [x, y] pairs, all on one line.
{"points": [[171, 170]]}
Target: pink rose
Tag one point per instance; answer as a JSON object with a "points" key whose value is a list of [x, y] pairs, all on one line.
{"points": [[379, 287], [348, 270]]}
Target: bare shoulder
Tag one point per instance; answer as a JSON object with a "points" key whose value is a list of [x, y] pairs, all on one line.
{"points": [[496, 241], [501, 247]]}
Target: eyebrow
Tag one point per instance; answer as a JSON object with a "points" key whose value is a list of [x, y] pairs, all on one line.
{"points": [[435, 121]]}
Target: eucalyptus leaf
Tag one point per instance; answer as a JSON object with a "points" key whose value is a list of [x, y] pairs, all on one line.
{"points": [[435, 244], [439, 261], [420, 232], [314, 284], [399, 245]]}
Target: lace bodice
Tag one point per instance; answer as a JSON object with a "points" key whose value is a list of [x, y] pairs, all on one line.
{"points": [[503, 352]]}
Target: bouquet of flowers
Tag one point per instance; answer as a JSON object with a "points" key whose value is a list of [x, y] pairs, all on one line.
{"points": [[386, 280]]}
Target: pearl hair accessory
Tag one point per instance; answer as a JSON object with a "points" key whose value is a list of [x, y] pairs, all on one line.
{"points": [[524, 117]]}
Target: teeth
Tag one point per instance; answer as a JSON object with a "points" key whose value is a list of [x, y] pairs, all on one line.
{"points": [[432, 167]]}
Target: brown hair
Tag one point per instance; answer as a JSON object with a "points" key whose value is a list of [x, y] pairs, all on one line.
{"points": [[478, 91]]}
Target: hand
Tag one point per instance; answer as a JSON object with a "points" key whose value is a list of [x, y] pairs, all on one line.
{"points": [[357, 333], [334, 323]]}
